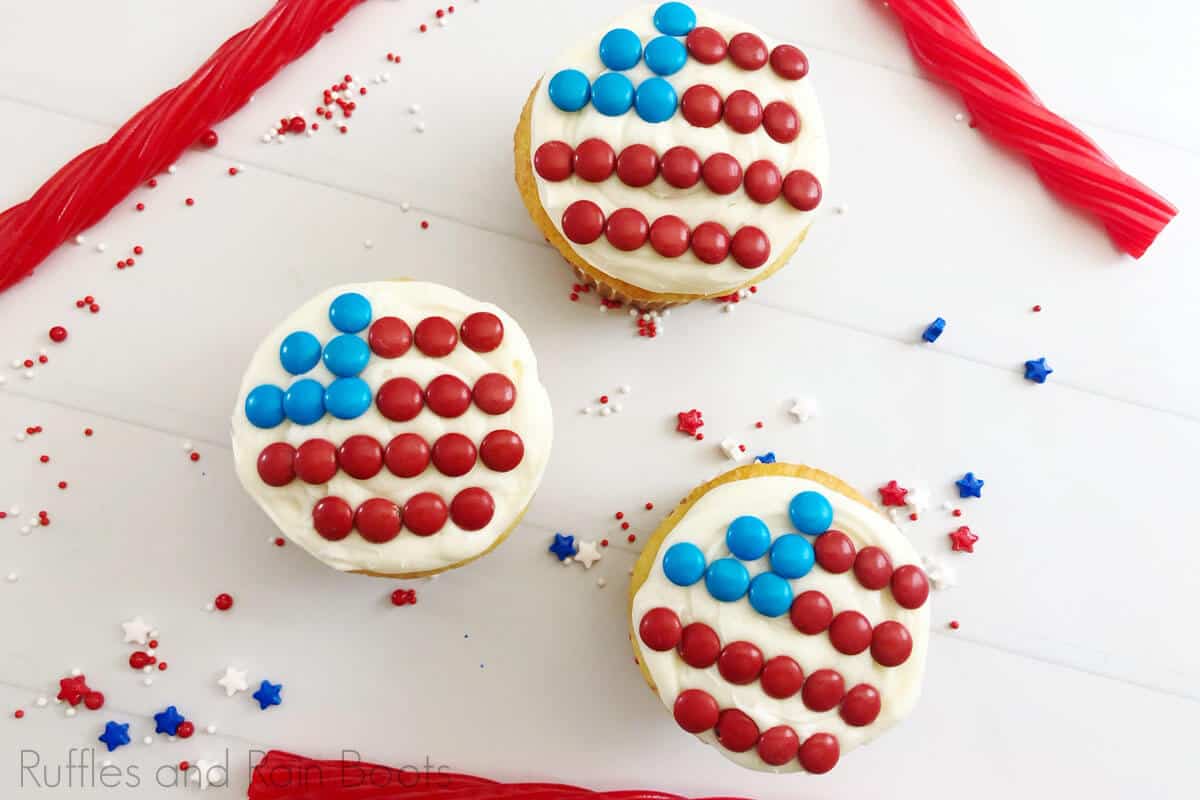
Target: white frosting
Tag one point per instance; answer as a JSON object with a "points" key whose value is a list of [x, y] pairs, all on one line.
{"points": [[644, 267], [291, 506], [767, 498]]}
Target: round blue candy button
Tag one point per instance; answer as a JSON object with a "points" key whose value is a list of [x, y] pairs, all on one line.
{"points": [[620, 49], [770, 595], [656, 100], [675, 19], [727, 579], [299, 352], [348, 398], [748, 538], [612, 94], [350, 312], [811, 513], [304, 402], [346, 355], [792, 556], [264, 406], [683, 564], [570, 90], [665, 55]]}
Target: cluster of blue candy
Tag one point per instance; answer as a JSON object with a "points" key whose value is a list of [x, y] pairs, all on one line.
{"points": [[613, 93], [748, 539], [306, 401]]}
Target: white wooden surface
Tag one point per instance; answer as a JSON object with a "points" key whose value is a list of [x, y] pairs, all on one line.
{"points": [[1077, 664]]}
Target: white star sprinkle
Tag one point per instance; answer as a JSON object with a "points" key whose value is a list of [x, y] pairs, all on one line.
{"points": [[804, 409], [136, 630], [588, 554], [941, 574], [233, 681], [917, 498], [732, 449]]}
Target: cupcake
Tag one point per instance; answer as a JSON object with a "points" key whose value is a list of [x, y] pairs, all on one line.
{"points": [[781, 618], [395, 428], [674, 156]]}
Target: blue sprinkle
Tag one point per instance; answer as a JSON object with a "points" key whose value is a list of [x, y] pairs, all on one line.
{"points": [[299, 352], [748, 538], [304, 402], [811, 513], [727, 579], [934, 330], [348, 398], [350, 312], [792, 556], [563, 546], [766, 458], [612, 94], [675, 19], [620, 49], [570, 90], [168, 721], [656, 100], [683, 564], [116, 734], [264, 406], [268, 694], [1037, 370], [969, 486], [346, 355], [770, 595], [665, 55]]}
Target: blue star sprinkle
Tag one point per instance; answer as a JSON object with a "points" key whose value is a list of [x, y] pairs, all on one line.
{"points": [[1037, 370], [969, 486], [167, 721], [563, 547], [934, 330], [766, 458], [116, 734], [268, 694]]}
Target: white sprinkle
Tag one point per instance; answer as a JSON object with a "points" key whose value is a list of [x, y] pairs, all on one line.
{"points": [[666, 312], [187, 445], [308, 132], [387, 76], [266, 138], [149, 651], [42, 351], [16, 363], [442, 21], [211, 729], [172, 169], [153, 634], [617, 408], [841, 208], [25, 530], [633, 312], [604, 412], [3, 380], [727, 308], [101, 247], [20, 437], [147, 740], [210, 607], [645, 317], [420, 127], [414, 109], [601, 582], [959, 117], [586, 410], [80, 239], [12, 577], [70, 712], [281, 140], [405, 206], [947, 505], [41, 702], [14, 511], [147, 681], [76, 672], [28, 374], [367, 243], [603, 310]]}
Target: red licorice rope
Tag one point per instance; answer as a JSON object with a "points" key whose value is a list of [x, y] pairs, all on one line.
{"points": [[86, 189], [283, 776], [1003, 106]]}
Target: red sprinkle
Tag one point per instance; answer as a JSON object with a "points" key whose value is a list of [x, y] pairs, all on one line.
{"points": [[223, 602], [140, 206], [954, 624], [162, 667], [62, 484], [758, 424], [958, 512], [19, 713], [190, 202], [183, 765], [424, 224], [604, 542], [620, 515], [1037, 308], [280, 541], [423, 27], [913, 516], [138, 250], [631, 537], [58, 334], [88, 431], [404, 597], [94, 308], [649, 506], [624, 526], [152, 644], [194, 456], [44, 459]]}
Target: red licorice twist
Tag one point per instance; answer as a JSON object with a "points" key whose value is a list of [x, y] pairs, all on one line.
{"points": [[80, 194], [1003, 106]]}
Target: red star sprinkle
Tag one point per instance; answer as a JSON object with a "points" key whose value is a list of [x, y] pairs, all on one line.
{"points": [[962, 540], [690, 422], [892, 494], [72, 690], [404, 597]]}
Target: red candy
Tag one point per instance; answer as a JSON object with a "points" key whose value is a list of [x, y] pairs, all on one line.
{"points": [[58, 334], [400, 399], [861, 705], [740, 662], [554, 161], [722, 173], [454, 454], [802, 189], [750, 247], [447, 396], [696, 711], [378, 520], [710, 242], [276, 464], [781, 677], [699, 646], [389, 337], [834, 551], [482, 331], [407, 455], [736, 731], [316, 461], [743, 111], [660, 629], [706, 45], [778, 745], [910, 587], [501, 451], [494, 393], [873, 568], [764, 183], [811, 612], [681, 167], [637, 165], [361, 457], [209, 138], [819, 753], [435, 336], [781, 122], [94, 700], [670, 236], [72, 690], [627, 229], [747, 51], [138, 659], [185, 729], [425, 514], [701, 106], [333, 518], [850, 633], [223, 601], [891, 644], [790, 63], [823, 690], [594, 160], [583, 221], [472, 508]]}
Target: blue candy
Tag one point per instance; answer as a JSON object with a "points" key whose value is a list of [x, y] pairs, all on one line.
{"points": [[350, 312], [612, 94], [299, 352], [264, 406], [934, 330], [683, 564], [304, 402], [656, 100], [770, 595], [810, 513], [570, 90], [792, 556], [348, 398], [620, 49], [727, 579], [346, 355], [1037, 370], [675, 19], [748, 538], [116, 734], [665, 55]]}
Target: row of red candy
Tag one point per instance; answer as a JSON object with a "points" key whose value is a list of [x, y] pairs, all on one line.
{"points": [[401, 399], [703, 107], [390, 337], [747, 51], [379, 520], [872, 567]]}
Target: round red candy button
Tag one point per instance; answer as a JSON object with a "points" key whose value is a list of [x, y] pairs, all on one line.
{"points": [[861, 705], [400, 399], [823, 690], [781, 677], [778, 745], [670, 236], [454, 454], [706, 45], [660, 629], [425, 514], [740, 662], [333, 518], [627, 229], [701, 106], [501, 451], [435, 336], [819, 753], [781, 122], [316, 461], [482, 331], [696, 711], [361, 457], [710, 242], [494, 393], [789, 62], [447, 396], [389, 337], [850, 633], [891, 644], [736, 731], [637, 165], [910, 587], [873, 568], [472, 509], [834, 552], [407, 455], [553, 160], [681, 167], [583, 222], [722, 173], [699, 646], [277, 464], [811, 612], [802, 189], [750, 247], [747, 51], [764, 183], [594, 160], [378, 520], [743, 111]]}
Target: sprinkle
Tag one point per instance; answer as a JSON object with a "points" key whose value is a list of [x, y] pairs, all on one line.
{"points": [[962, 540], [804, 409], [649, 506], [953, 624], [1037, 370], [404, 597], [587, 554], [690, 422], [194, 456], [563, 546], [223, 602], [233, 681], [1037, 308], [969, 486], [892, 494], [424, 224], [268, 694], [934, 330], [631, 538]]}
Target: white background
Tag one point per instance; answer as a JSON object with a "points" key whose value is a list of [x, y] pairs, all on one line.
{"points": [[1077, 664]]}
